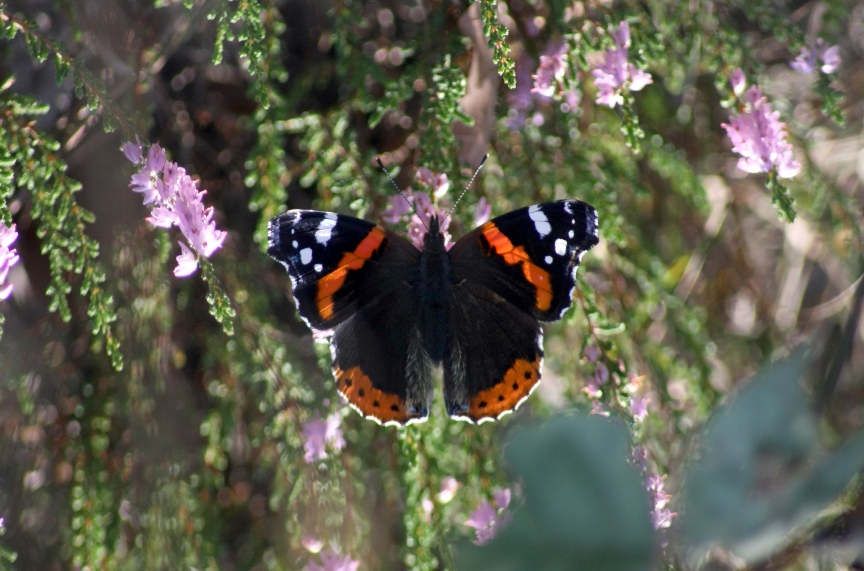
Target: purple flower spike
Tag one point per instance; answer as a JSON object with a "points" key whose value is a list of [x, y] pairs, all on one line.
{"points": [[615, 74], [8, 258], [809, 58], [319, 434], [177, 202], [487, 519], [759, 136], [332, 560], [551, 71]]}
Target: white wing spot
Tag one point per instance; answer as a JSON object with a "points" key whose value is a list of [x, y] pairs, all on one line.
{"points": [[305, 256], [560, 247], [294, 243], [318, 268], [570, 234], [541, 223], [325, 227], [567, 207], [548, 259]]}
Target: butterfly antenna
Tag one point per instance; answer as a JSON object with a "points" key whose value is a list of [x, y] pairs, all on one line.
{"points": [[396, 186], [467, 186]]}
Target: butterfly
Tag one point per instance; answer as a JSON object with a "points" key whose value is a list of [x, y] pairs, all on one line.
{"points": [[395, 312]]}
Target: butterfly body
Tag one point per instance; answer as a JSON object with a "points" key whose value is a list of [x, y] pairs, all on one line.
{"points": [[396, 312]]}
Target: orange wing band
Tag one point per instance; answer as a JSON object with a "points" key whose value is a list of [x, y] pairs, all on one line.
{"points": [[332, 282], [356, 386], [517, 384], [536, 276]]}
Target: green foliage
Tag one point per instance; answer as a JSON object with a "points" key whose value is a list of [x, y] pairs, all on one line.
{"points": [[255, 26], [497, 35], [7, 556], [220, 304], [448, 86], [760, 470], [35, 166], [86, 85], [583, 507], [781, 198]]}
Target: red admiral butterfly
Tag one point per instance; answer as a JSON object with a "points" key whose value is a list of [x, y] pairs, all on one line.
{"points": [[395, 312]]}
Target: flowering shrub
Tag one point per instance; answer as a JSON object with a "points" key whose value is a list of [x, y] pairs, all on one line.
{"points": [[758, 135], [177, 202], [8, 258], [141, 432]]}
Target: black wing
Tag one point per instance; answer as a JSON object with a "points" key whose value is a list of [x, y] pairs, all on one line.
{"points": [[356, 279], [509, 274], [336, 263]]}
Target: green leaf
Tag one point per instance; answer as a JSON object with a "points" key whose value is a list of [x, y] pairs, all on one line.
{"points": [[584, 505], [760, 470]]}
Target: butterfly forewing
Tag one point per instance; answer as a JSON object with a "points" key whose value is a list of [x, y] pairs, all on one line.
{"points": [[529, 256], [334, 262]]}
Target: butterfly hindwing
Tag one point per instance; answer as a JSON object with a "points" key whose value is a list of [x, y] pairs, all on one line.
{"points": [[494, 357], [380, 363]]}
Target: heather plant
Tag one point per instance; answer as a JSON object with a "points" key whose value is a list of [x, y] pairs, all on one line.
{"points": [[163, 406]]}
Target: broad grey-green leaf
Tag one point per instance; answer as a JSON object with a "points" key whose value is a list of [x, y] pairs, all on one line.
{"points": [[760, 470], [585, 506]]}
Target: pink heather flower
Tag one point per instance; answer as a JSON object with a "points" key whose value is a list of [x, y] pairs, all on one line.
{"points": [[8, 258], [332, 433], [427, 506], [439, 183], [418, 223], [639, 407], [483, 520], [551, 71], [614, 74], [502, 497], [809, 58], [598, 408], [333, 561], [592, 353], [449, 487], [398, 207], [318, 434], [661, 517], [758, 135], [177, 202], [186, 262], [132, 150], [738, 82], [482, 212], [311, 543], [601, 373], [572, 99], [487, 519]]}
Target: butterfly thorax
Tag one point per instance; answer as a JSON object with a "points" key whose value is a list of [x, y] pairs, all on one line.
{"points": [[434, 291]]}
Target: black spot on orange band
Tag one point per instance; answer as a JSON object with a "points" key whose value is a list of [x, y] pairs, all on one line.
{"points": [[330, 284], [517, 384], [356, 386], [536, 276]]}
